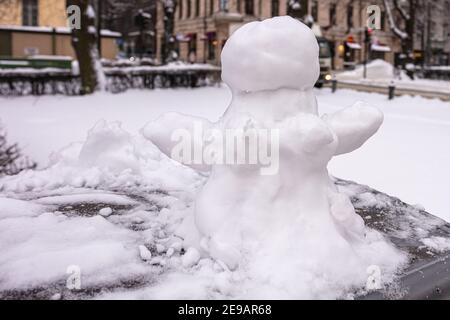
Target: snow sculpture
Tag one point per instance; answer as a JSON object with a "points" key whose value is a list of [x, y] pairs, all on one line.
{"points": [[294, 217]]}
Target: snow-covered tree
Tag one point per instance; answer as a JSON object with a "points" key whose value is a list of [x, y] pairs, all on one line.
{"points": [[11, 160], [84, 42], [168, 44], [402, 21], [297, 8]]}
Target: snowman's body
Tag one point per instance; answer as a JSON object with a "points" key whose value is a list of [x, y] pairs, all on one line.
{"points": [[238, 204], [243, 216]]}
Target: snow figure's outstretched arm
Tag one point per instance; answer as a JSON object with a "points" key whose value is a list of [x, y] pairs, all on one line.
{"points": [[174, 129], [354, 125]]}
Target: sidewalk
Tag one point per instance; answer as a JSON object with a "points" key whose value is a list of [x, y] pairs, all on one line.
{"points": [[380, 75]]}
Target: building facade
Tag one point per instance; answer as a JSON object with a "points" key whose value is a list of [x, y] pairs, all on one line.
{"points": [[344, 24], [39, 27], [203, 26], [121, 16]]}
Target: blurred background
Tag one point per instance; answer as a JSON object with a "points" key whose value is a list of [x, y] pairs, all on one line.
{"points": [[411, 31]]}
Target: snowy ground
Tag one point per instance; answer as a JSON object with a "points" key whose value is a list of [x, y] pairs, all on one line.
{"points": [[408, 158]]}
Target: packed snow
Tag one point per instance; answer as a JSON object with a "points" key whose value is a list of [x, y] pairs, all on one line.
{"points": [[283, 228], [259, 47]]}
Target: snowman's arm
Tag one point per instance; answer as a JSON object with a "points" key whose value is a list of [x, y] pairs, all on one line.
{"points": [[174, 131], [305, 133], [354, 126]]}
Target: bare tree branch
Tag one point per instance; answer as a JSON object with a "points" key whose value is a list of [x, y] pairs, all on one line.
{"points": [[395, 29], [401, 10]]}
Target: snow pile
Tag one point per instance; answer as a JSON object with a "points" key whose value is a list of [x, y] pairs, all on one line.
{"points": [[102, 207], [437, 244], [110, 158], [288, 235], [38, 250], [382, 73], [376, 69]]}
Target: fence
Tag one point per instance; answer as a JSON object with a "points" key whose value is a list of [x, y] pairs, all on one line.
{"points": [[53, 81]]}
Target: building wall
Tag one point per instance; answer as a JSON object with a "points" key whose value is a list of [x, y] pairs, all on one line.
{"points": [[49, 44], [339, 32], [211, 20], [52, 13], [40, 41], [224, 24], [11, 12], [109, 48]]}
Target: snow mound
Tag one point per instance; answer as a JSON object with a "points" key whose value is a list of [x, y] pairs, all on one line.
{"points": [[275, 53], [101, 208], [39, 250], [376, 69], [10, 208], [110, 158]]}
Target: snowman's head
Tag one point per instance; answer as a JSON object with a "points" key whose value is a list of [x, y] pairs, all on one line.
{"points": [[275, 53]]}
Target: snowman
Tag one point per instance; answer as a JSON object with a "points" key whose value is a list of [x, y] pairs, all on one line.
{"points": [[242, 215]]}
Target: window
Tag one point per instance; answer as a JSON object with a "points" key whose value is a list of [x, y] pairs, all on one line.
{"points": [[325, 50], [315, 10], [350, 16], [211, 7], [223, 5], [275, 8], [249, 7], [189, 12], [383, 20], [30, 12], [332, 14], [238, 5], [192, 44], [197, 8], [180, 10], [212, 44]]}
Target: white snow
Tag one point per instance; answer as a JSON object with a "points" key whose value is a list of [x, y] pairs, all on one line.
{"points": [[437, 244], [86, 198], [190, 258], [404, 159], [105, 212], [309, 256], [395, 167], [381, 73], [12, 208], [38, 250], [262, 56], [144, 253]]}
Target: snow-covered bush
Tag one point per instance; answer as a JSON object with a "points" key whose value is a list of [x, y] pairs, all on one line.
{"points": [[11, 159]]}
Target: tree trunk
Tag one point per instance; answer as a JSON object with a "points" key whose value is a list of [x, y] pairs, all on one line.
{"points": [[408, 44], [84, 42]]}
